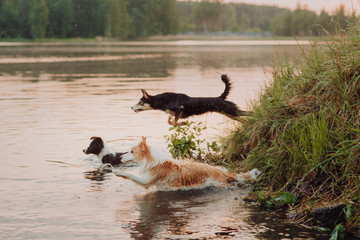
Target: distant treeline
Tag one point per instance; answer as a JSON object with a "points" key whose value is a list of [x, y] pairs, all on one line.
{"points": [[134, 19]]}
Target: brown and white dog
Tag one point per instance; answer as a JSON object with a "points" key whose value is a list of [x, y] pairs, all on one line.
{"points": [[169, 174]]}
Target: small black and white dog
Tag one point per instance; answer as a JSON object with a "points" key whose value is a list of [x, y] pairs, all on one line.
{"points": [[104, 152], [180, 105]]}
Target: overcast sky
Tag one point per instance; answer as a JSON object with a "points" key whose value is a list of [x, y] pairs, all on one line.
{"points": [[316, 5]]}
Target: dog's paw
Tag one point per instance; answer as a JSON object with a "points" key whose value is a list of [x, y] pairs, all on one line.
{"points": [[170, 121], [181, 123], [105, 168], [118, 173]]}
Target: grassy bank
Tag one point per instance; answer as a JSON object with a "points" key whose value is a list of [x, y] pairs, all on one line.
{"points": [[304, 134]]}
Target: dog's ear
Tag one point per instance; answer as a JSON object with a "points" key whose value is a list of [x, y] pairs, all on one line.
{"points": [[144, 146], [145, 94], [98, 139], [100, 143]]}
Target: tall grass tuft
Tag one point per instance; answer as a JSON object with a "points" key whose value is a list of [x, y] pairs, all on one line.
{"points": [[305, 127]]}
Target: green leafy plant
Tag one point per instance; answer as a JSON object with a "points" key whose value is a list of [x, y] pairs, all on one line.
{"points": [[276, 200], [286, 198], [185, 141]]}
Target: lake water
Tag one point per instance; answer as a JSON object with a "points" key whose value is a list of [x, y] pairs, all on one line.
{"points": [[55, 96]]}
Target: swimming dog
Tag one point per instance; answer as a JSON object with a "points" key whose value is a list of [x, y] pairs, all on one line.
{"points": [[104, 152], [168, 174], [180, 105]]}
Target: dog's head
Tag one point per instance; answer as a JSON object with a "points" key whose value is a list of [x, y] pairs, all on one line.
{"points": [[139, 153], [144, 103], [95, 147]]}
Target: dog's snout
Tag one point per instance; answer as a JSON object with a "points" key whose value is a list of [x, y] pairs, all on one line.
{"points": [[123, 154], [135, 108]]}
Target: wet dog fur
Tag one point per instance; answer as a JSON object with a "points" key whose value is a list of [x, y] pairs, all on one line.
{"points": [[156, 169], [181, 106]]}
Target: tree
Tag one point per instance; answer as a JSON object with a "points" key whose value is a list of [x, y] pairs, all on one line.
{"points": [[118, 20], [231, 18], [23, 7], [151, 14], [138, 19], [131, 19], [60, 18], [302, 20], [243, 20], [38, 18], [280, 24], [324, 23], [207, 15], [185, 11], [9, 19], [66, 15], [340, 17], [85, 13], [167, 17]]}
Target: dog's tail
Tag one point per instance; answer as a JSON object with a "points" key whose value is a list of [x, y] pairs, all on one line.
{"points": [[227, 82], [250, 175]]}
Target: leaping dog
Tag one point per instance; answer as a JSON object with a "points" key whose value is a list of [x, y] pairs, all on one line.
{"points": [[156, 168], [180, 105]]}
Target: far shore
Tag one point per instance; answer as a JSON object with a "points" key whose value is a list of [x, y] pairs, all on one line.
{"points": [[203, 42], [166, 40]]}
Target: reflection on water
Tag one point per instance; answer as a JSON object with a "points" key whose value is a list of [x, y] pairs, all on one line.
{"points": [[196, 214], [207, 214], [49, 110]]}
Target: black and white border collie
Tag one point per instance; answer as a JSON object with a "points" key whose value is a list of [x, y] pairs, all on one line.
{"points": [[180, 105], [104, 152]]}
